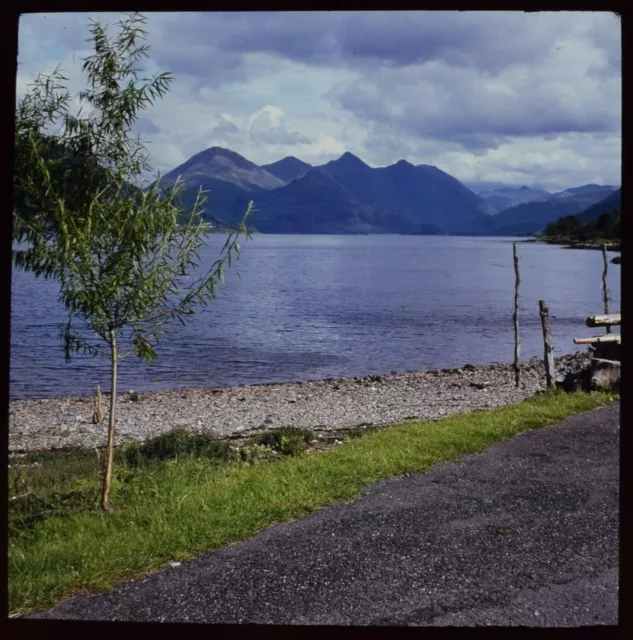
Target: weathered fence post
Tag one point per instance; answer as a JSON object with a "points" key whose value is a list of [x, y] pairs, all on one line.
{"points": [[550, 373], [97, 416], [605, 290], [515, 315]]}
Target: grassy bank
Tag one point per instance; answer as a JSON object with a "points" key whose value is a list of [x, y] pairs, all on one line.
{"points": [[173, 508]]}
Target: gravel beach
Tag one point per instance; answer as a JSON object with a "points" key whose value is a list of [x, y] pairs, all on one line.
{"points": [[323, 405]]}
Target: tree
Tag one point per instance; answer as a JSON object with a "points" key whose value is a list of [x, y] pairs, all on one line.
{"points": [[568, 225], [123, 256], [605, 224]]}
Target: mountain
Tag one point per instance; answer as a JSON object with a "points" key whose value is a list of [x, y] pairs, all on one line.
{"points": [[477, 186], [609, 204], [423, 194], [231, 180], [288, 169], [342, 196], [505, 197], [317, 203], [532, 217], [584, 190]]}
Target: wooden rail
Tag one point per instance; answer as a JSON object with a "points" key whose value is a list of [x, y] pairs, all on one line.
{"points": [[614, 337], [604, 321]]}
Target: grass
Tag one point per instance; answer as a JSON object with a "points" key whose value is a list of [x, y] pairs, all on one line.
{"points": [[178, 506]]}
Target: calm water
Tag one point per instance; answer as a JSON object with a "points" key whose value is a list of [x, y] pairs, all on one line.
{"points": [[310, 307]]}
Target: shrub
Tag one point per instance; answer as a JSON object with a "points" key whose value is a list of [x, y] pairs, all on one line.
{"points": [[254, 453], [177, 443], [289, 441]]}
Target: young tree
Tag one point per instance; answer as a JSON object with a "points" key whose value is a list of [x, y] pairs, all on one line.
{"points": [[127, 269], [124, 257]]}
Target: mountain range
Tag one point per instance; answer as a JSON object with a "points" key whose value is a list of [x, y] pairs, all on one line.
{"points": [[348, 196], [532, 217]]}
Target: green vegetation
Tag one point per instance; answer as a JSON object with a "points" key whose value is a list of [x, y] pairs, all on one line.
{"points": [[289, 441], [179, 496], [124, 257], [569, 230]]}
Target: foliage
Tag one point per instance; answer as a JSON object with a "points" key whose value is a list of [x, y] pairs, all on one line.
{"points": [[286, 440], [605, 227], [177, 443], [84, 153], [253, 453]]}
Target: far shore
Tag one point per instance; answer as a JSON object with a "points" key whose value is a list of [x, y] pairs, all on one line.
{"points": [[566, 243]]}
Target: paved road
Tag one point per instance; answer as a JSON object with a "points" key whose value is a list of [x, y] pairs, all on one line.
{"points": [[422, 549]]}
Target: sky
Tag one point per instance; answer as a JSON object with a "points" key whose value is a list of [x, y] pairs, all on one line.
{"points": [[510, 97]]}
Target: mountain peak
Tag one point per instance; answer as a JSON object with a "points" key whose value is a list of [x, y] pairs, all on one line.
{"points": [[221, 170], [403, 163], [349, 158], [220, 152], [288, 168]]}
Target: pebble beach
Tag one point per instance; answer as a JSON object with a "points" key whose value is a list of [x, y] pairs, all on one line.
{"points": [[322, 405]]}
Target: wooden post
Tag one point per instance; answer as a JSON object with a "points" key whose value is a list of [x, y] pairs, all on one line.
{"points": [[550, 372], [515, 315], [605, 290], [97, 417]]}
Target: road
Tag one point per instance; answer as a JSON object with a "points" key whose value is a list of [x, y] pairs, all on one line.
{"points": [[523, 534]]}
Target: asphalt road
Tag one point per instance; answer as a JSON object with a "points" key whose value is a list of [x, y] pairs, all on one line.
{"points": [[523, 534]]}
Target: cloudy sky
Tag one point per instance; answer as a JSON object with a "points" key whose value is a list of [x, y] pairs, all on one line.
{"points": [[508, 97]]}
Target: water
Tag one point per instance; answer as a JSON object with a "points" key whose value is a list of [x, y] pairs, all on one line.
{"points": [[309, 307]]}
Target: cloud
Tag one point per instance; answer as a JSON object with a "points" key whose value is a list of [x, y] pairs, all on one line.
{"points": [[473, 92], [458, 105], [268, 126]]}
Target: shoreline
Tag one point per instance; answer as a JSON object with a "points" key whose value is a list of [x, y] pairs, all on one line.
{"points": [[321, 405], [614, 247]]}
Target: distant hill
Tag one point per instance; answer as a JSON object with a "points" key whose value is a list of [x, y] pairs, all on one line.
{"points": [[505, 197], [609, 204], [532, 217], [478, 186], [593, 226], [584, 190], [288, 169]]}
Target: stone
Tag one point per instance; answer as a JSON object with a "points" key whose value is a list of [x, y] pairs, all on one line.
{"points": [[605, 374], [572, 382]]}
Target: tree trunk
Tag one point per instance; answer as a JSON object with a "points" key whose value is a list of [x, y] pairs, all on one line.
{"points": [[515, 316], [605, 290], [107, 475]]}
